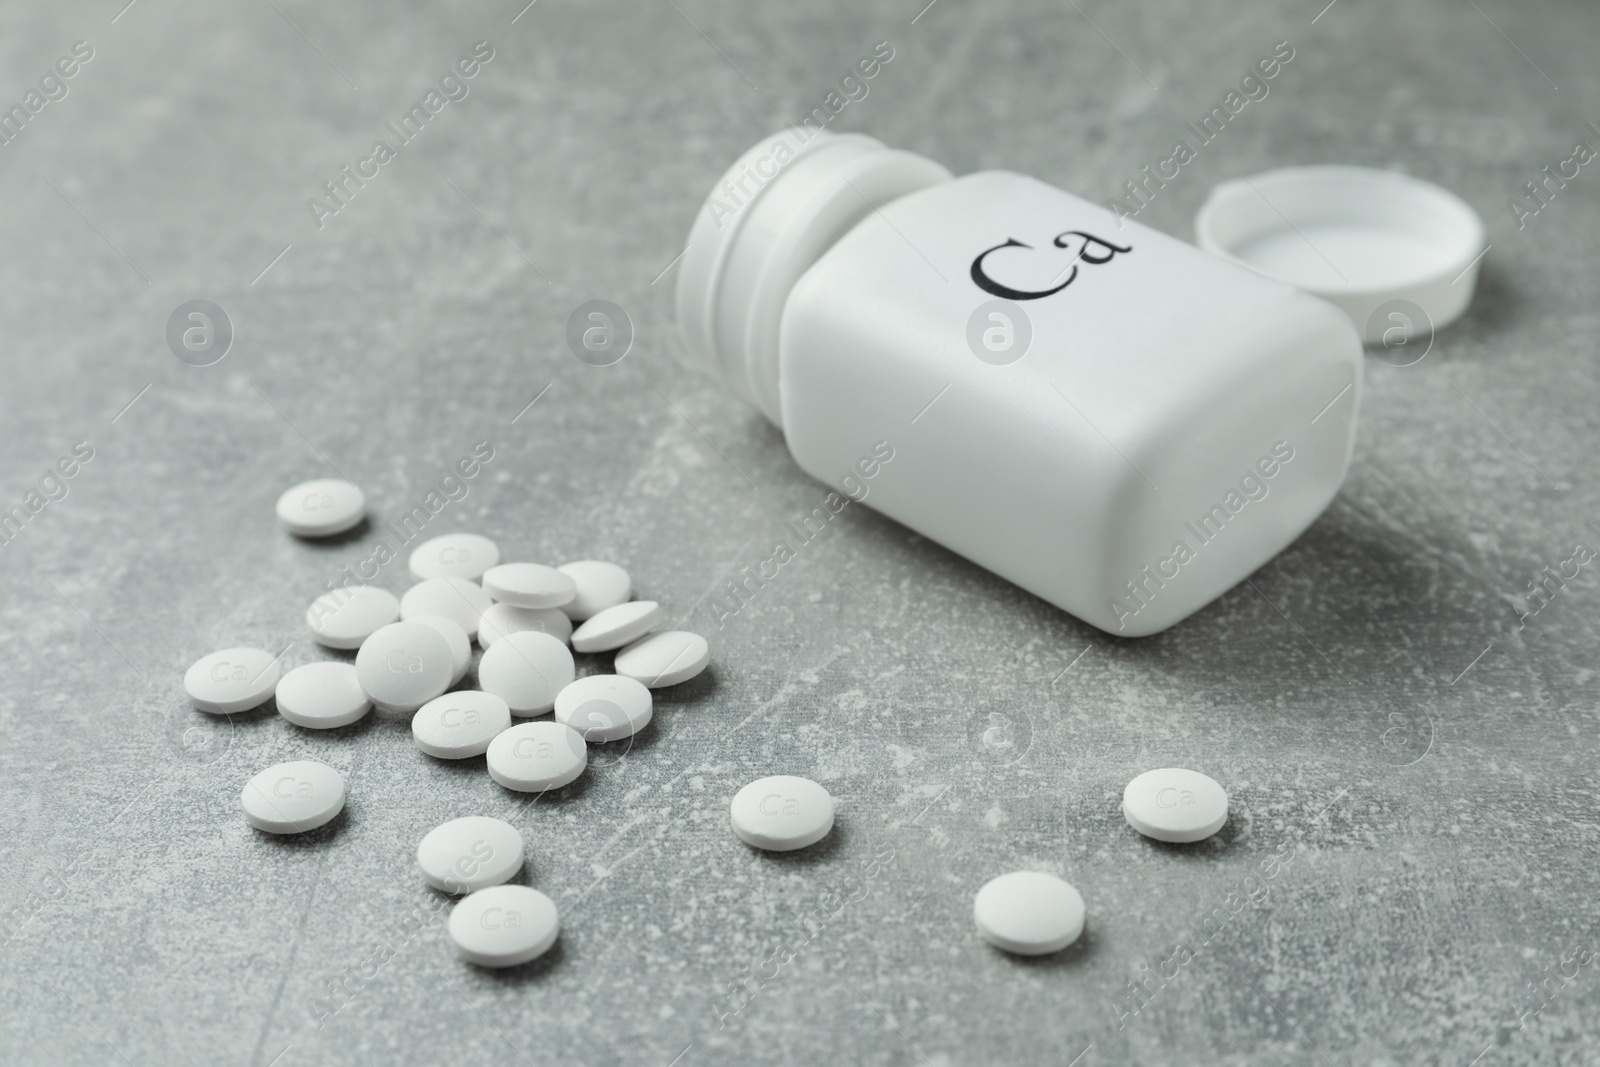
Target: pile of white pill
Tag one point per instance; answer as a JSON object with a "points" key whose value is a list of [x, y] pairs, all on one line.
{"points": [[412, 652], [528, 619]]}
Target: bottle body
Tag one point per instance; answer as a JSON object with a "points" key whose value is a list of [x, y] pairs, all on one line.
{"points": [[1112, 419]]}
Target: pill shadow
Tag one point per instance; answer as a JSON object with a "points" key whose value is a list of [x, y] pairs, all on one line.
{"points": [[816, 855], [524, 875], [574, 790], [473, 767], [263, 712], [563, 794], [1077, 954], [588, 664], [1199, 851], [360, 727], [328, 832], [447, 900], [338, 540], [390, 720], [257, 718], [607, 754], [524, 973], [669, 699], [701, 687]]}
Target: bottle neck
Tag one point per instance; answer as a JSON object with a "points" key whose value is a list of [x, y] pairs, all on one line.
{"points": [[771, 216]]}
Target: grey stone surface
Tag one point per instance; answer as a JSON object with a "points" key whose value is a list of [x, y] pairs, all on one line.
{"points": [[1422, 768]]}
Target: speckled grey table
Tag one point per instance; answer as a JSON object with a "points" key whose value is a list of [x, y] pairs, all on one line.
{"points": [[1414, 840]]}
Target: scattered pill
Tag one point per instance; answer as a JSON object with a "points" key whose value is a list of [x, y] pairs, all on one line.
{"points": [[322, 696], [664, 659], [616, 626], [346, 617], [504, 925], [600, 585], [322, 508], [526, 670], [604, 707], [457, 555], [1029, 913], [529, 585], [1172, 804], [293, 797], [782, 813], [461, 601], [404, 665], [460, 724], [502, 619], [235, 679], [456, 637], [468, 854], [534, 756]]}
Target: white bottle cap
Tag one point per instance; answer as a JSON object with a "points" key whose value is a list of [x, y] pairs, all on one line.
{"points": [[773, 214], [1357, 237]]}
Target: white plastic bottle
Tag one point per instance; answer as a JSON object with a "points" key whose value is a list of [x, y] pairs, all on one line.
{"points": [[1114, 420]]}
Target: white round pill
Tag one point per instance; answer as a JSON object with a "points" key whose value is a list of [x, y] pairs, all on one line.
{"points": [[604, 707], [782, 813], [456, 637], [504, 925], [526, 670], [322, 696], [534, 756], [346, 617], [529, 585], [616, 626], [468, 854], [457, 599], [322, 508], [235, 679], [600, 585], [404, 665], [1172, 804], [502, 619], [664, 659], [460, 724], [293, 797], [457, 555], [1029, 913]]}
